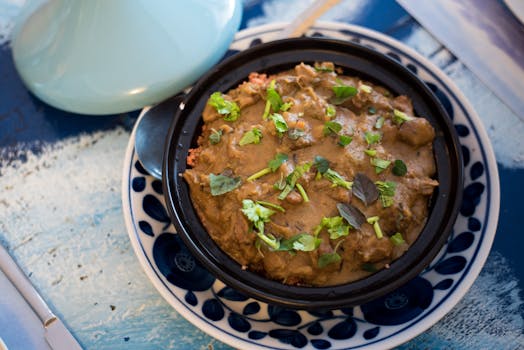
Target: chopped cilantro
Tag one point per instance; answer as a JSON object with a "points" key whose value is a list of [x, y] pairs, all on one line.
{"points": [[327, 259], [215, 136], [323, 69], [343, 92], [372, 137], [331, 111], [397, 239], [365, 88], [252, 136], [221, 184], [321, 163], [331, 127], [302, 192], [301, 242], [380, 164], [380, 122], [292, 179], [337, 179], [280, 123], [399, 168], [259, 215], [386, 191], [400, 117], [229, 109], [272, 166], [372, 110], [335, 226], [344, 140], [376, 227], [370, 152]]}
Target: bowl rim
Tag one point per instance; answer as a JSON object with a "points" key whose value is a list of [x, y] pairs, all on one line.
{"points": [[271, 57]]}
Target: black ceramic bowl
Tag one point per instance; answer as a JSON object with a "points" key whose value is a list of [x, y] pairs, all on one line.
{"points": [[355, 60]]}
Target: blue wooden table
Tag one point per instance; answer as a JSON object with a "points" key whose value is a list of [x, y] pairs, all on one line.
{"points": [[61, 210]]}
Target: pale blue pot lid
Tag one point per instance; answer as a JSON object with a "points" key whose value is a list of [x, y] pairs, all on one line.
{"points": [[107, 57]]}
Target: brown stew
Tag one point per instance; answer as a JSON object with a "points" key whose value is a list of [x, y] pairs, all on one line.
{"points": [[311, 177]]}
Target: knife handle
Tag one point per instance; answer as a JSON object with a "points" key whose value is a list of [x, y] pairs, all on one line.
{"points": [[24, 286]]}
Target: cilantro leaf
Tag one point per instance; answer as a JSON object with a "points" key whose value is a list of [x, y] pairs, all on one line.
{"points": [[337, 179], [344, 140], [386, 191], [343, 92], [229, 109], [380, 164], [331, 127], [221, 184], [380, 122], [292, 179], [321, 163], [331, 111], [327, 259], [276, 162], [252, 136], [280, 123], [215, 136], [372, 137], [399, 168], [397, 239], [259, 215], [376, 227], [400, 117], [301, 242]]}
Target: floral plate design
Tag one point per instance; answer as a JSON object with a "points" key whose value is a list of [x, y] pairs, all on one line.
{"points": [[386, 322]]}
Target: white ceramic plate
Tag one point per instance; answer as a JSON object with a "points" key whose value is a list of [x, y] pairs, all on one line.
{"points": [[386, 322]]}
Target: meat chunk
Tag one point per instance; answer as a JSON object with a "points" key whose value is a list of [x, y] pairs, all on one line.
{"points": [[416, 132]]}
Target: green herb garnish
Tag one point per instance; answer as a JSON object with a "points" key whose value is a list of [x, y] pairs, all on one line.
{"points": [[302, 242], [399, 168], [386, 191], [272, 166], [397, 239], [228, 109], [344, 140], [259, 215], [221, 184], [331, 111], [292, 179], [302, 192], [374, 221], [321, 163], [335, 226], [400, 117], [331, 127], [380, 122], [372, 137], [370, 152], [327, 259], [215, 136], [380, 164], [337, 179], [280, 123], [343, 92], [372, 110], [323, 69], [365, 88], [252, 136]]}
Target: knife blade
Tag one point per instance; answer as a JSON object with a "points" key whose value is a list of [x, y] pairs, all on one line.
{"points": [[56, 334]]}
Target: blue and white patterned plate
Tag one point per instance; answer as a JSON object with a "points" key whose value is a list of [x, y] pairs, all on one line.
{"points": [[383, 323]]}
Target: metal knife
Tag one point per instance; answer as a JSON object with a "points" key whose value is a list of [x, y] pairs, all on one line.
{"points": [[56, 333]]}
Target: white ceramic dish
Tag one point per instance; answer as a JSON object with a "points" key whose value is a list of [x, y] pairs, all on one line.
{"points": [[384, 323]]}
